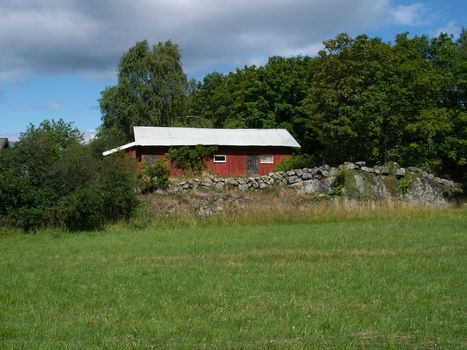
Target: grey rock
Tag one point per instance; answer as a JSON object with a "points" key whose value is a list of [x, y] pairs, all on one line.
{"points": [[367, 169], [290, 173], [446, 182], [327, 184], [384, 170], [415, 170], [243, 188], [293, 179], [422, 190], [307, 176], [400, 172], [207, 182], [349, 165], [231, 181], [380, 190], [359, 183], [219, 186], [299, 172], [308, 186], [360, 163]]}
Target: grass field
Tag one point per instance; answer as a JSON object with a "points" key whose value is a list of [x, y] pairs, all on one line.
{"points": [[383, 283]]}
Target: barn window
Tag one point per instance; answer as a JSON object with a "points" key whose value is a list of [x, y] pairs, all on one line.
{"points": [[266, 159], [149, 158], [220, 158]]}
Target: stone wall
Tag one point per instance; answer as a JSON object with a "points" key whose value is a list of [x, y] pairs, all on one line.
{"points": [[355, 180]]}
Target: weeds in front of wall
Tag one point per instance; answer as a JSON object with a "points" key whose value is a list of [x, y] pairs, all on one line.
{"points": [[406, 182], [283, 206]]}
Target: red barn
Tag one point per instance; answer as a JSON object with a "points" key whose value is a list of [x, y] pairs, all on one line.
{"points": [[240, 152]]}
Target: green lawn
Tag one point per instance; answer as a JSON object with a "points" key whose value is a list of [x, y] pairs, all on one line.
{"points": [[373, 283]]}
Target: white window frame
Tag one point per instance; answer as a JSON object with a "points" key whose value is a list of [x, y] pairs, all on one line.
{"points": [[219, 161], [263, 161]]}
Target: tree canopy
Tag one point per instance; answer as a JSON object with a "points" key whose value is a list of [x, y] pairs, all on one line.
{"points": [[390, 102], [360, 99], [269, 96], [151, 89]]}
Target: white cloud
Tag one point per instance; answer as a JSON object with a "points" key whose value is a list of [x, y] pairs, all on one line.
{"points": [[89, 134], [88, 37], [53, 106], [451, 28], [409, 14]]}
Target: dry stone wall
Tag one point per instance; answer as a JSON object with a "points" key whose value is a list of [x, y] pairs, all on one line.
{"points": [[355, 180]]}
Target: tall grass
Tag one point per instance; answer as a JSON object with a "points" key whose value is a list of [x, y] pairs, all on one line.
{"points": [[269, 207]]}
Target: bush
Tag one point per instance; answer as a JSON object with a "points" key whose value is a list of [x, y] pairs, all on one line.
{"points": [[191, 159], [297, 162], [155, 177], [50, 179], [81, 210]]}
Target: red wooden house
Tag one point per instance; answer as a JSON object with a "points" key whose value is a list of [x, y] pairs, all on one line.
{"points": [[240, 152]]}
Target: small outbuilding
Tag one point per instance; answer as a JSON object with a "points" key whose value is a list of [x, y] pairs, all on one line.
{"points": [[240, 152], [4, 143]]}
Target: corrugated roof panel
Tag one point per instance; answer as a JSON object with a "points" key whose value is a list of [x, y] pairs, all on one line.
{"points": [[168, 136]]}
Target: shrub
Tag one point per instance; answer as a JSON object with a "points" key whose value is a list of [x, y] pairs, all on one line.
{"points": [[406, 183], [339, 183], [51, 179], [297, 162], [191, 159], [155, 177], [344, 183], [81, 210]]}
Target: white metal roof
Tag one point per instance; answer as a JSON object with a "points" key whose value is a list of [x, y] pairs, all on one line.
{"points": [[168, 136]]}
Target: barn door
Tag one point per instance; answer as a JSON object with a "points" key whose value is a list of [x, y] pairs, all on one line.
{"points": [[252, 165]]}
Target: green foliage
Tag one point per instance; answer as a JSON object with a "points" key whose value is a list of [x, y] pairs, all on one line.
{"points": [[49, 178], [345, 183], [406, 182], [190, 159], [297, 162], [151, 89], [81, 209], [339, 183], [105, 139], [383, 102], [260, 97], [392, 166], [155, 177]]}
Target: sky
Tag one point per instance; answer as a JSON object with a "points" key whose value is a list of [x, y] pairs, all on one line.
{"points": [[58, 55]]}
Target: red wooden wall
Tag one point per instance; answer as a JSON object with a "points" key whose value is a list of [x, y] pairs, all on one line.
{"points": [[236, 159]]}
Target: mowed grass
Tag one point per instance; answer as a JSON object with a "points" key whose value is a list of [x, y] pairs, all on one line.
{"points": [[394, 282]]}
